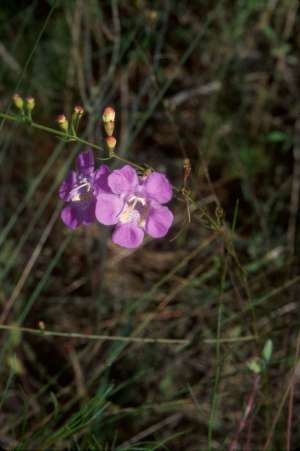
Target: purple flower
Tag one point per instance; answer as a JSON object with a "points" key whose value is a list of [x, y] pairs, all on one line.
{"points": [[80, 189], [135, 206]]}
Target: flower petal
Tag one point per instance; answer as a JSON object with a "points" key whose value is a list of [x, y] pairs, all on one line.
{"points": [[86, 162], [158, 187], [69, 216], [101, 179], [128, 235], [86, 211], [108, 207], [67, 186], [124, 180], [159, 221]]}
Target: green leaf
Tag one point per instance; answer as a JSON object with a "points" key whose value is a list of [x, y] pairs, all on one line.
{"points": [[277, 136], [267, 351]]}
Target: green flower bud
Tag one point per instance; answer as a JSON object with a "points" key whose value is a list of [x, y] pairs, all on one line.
{"points": [[30, 103], [63, 122], [18, 101]]}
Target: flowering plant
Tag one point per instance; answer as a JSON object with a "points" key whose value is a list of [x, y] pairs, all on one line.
{"points": [[133, 204]]}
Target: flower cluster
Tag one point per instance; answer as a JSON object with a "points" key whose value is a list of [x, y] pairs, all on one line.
{"points": [[133, 204]]}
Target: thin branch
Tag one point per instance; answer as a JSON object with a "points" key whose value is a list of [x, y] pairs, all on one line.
{"points": [[52, 333]]}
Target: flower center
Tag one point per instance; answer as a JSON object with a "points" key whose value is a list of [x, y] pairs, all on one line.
{"points": [[83, 191], [133, 210]]}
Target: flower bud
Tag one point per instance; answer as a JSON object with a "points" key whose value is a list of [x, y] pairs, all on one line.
{"points": [[109, 115], [111, 143], [108, 118], [18, 101], [76, 116], [78, 110], [63, 122], [109, 128], [41, 325], [30, 103]]}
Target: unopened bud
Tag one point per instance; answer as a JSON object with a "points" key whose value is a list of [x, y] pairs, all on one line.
{"points": [[109, 115], [30, 103], [41, 325], [109, 128], [63, 122], [78, 110], [108, 118], [18, 101], [111, 143]]}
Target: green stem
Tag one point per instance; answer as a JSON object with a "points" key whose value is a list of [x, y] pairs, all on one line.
{"points": [[66, 136], [52, 333]]}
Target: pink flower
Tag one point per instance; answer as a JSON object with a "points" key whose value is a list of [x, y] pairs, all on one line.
{"points": [[135, 205], [80, 190]]}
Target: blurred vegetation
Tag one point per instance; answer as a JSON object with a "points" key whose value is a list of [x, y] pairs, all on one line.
{"points": [[213, 81]]}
